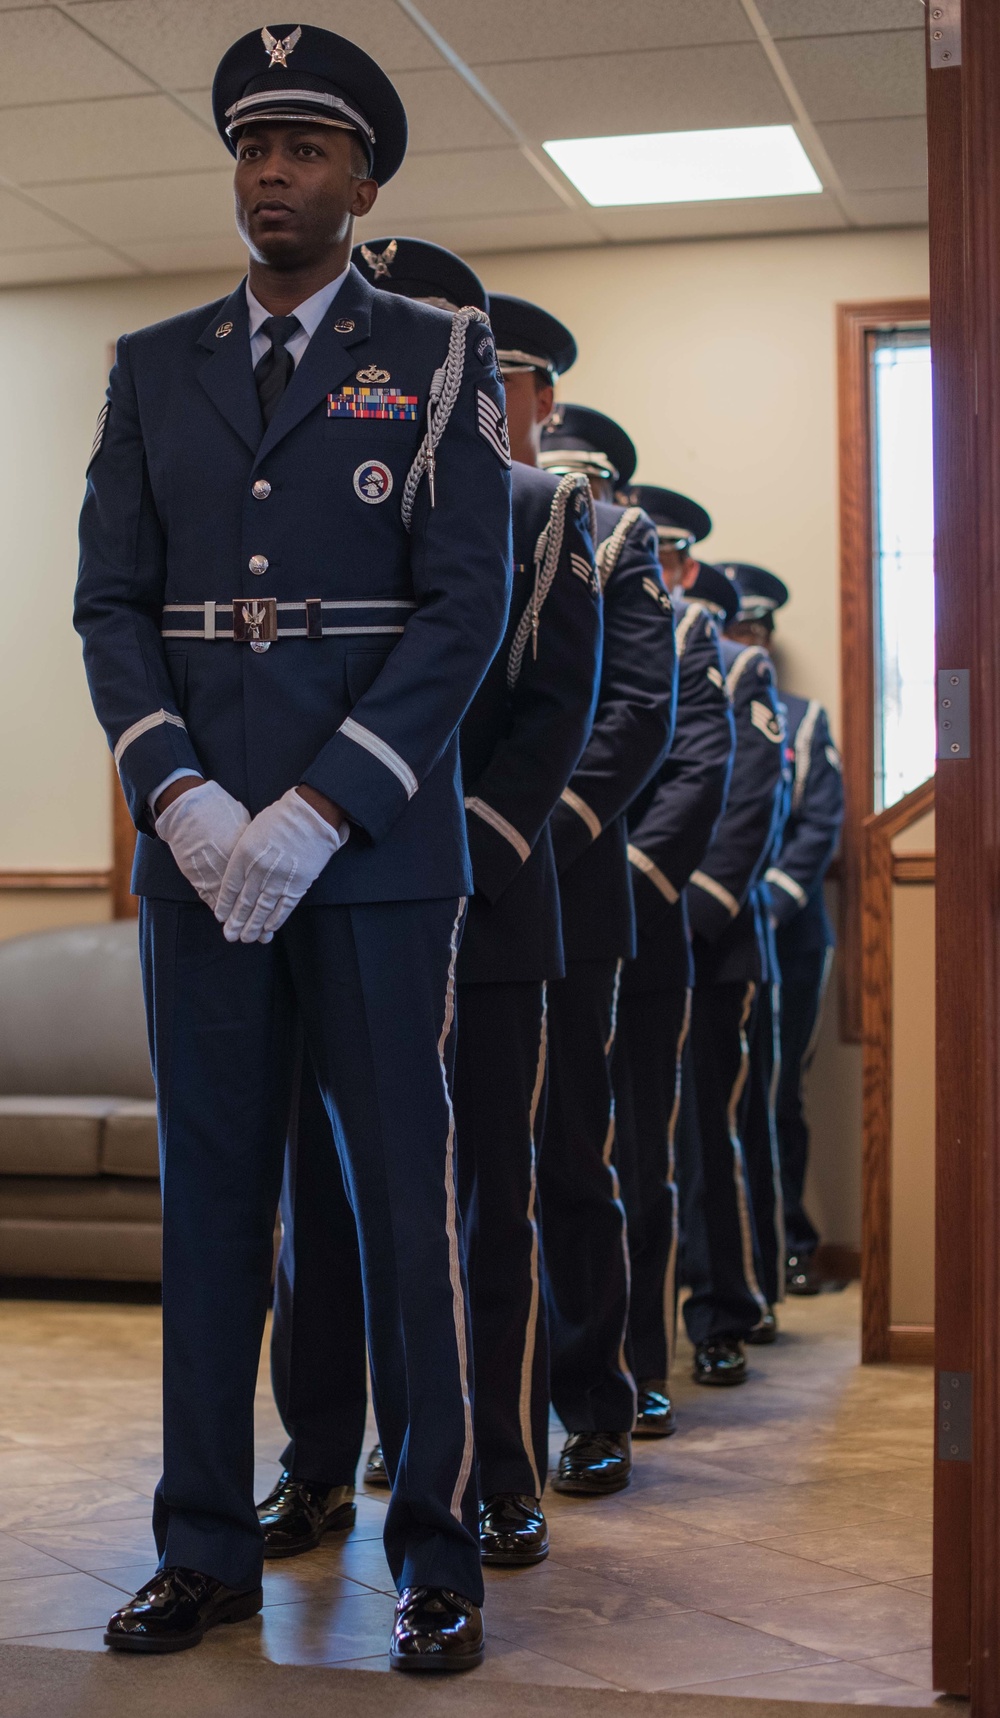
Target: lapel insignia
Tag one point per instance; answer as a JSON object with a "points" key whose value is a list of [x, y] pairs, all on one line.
{"points": [[373, 374], [223, 329], [344, 326], [379, 261], [279, 50], [373, 403]]}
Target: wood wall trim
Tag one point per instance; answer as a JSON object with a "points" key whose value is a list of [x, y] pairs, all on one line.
{"points": [[837, 1262], [878, 832], [855, 325], [81, 881], [913, 868], [911, 1344]]}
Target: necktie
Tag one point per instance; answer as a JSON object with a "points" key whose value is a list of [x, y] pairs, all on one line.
{"points": [[274, 370]]}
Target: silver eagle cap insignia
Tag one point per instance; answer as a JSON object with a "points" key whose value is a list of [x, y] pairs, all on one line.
{"points": [[280, 50], [380, 261]]}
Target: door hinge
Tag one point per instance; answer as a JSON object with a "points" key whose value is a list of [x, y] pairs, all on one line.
{"points": [[953, 736], [945, 34], [954, 1416]]}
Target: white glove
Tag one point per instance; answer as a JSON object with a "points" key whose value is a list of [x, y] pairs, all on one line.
{"points": [[273, 864], [201, 827]]}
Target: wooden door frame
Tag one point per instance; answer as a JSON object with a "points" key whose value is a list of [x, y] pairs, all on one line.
{"points": [[856, 324]]}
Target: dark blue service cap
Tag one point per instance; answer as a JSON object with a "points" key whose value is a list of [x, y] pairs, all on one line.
{"points": [[296, 72], [677, 518], [528, 337], [719, 592], [761, 592], [417, 269], [576, 438]]}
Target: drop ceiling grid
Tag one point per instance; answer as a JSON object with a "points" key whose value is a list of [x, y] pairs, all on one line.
{"points": [[108, 154]]}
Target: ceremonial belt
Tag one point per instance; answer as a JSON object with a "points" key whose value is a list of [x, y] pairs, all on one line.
{"points": [[260, 620]]}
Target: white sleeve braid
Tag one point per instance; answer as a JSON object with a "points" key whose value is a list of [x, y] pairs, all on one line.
{"points": [[547, 552], [445, 385], [610, 550]]}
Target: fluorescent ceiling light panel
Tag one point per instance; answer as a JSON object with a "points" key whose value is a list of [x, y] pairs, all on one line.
{"points": [[687, 166]]}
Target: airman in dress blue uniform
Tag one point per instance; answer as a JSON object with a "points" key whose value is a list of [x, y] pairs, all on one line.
{"points": [[670, 826], [721, 1253], [583, 1223], [295, 572], [519, 744], [804, 936]]}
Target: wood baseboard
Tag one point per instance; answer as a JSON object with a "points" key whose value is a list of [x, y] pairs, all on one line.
{"points": [[838, 1262], [911, 1344], [82, 881]]}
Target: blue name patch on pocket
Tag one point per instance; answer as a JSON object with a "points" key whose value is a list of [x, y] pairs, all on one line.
{"points": [[386, 403]]}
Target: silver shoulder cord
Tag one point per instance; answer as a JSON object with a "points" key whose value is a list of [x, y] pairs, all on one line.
{"points": [[547, 552], [445, 384], [610, 550]]}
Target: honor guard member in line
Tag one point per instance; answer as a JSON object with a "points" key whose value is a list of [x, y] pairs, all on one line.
{"points": [[721, 1256], [670, 827], [519, 743], [583, 1220], [295, 573], [804, 934]]}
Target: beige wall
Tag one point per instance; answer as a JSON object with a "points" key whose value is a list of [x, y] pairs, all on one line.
{"points": [[719, 358]]}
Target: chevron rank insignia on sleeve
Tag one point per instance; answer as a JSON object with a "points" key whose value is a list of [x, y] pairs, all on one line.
{"points": [[102, 424], [493, 426], [767, 723]]}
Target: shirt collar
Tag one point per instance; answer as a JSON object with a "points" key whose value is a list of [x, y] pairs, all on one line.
{"points": [[310, 313]]}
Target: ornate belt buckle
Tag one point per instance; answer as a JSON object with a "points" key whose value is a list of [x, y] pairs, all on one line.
{"points": [[255, 621]]}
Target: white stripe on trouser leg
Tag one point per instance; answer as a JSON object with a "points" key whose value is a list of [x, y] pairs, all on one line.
{"points": [[531, 1329], [739, 1165], [616, 1191], [670, 1279], [772, 1135], [451, 1222]]}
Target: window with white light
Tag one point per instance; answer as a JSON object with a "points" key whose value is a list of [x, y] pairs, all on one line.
{"points": [[903, 561]]}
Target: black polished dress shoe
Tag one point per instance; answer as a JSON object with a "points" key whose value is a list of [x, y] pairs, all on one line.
{"points": [[173, 1610], [512, 1530], [298, 1513], [763, 1334], [436, 1629], [595, 1463], [800, 1274], [719, 1363], [655, 1415], [376, 1472]]}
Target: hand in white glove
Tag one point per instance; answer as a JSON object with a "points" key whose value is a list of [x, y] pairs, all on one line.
{"points": [[274, 863], [201, 827]]}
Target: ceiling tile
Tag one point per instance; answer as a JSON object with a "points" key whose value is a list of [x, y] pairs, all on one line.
{"points": [[46, 58], [181, 42], [95, 139], [120, 211], [444, 113], [874, 76], [484, 234], [888, 208], [839, 17], [182, 256], [34, 268], [468, 182], [481, 30], [23, 227], [872, 154], [618, 94], [715, 220]]}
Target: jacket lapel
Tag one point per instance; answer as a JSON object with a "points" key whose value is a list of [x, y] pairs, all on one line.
{"points": [[227, 374], [328, 360]]}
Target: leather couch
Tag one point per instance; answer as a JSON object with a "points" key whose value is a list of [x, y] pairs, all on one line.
{"points": [[79, 1187]]}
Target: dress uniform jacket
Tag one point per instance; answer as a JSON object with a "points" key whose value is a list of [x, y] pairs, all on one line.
{"points": [[631, 734], [525, 731], [795, 880], [726, 916], [179, 518], [671, 822]]}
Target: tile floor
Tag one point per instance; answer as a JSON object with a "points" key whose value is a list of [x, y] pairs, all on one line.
{"points": [[779, 1545]]}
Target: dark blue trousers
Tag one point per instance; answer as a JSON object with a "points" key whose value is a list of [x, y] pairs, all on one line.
{"points": [[721, 1258], [760, 1142], [317, 1339], [583, 1219], [646, 1074], [373, 988], [804, 979]]}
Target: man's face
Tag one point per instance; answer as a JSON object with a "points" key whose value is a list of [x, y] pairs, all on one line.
{"points": [[297, 191], [751, 632], [529, 404], [678, 568]]}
